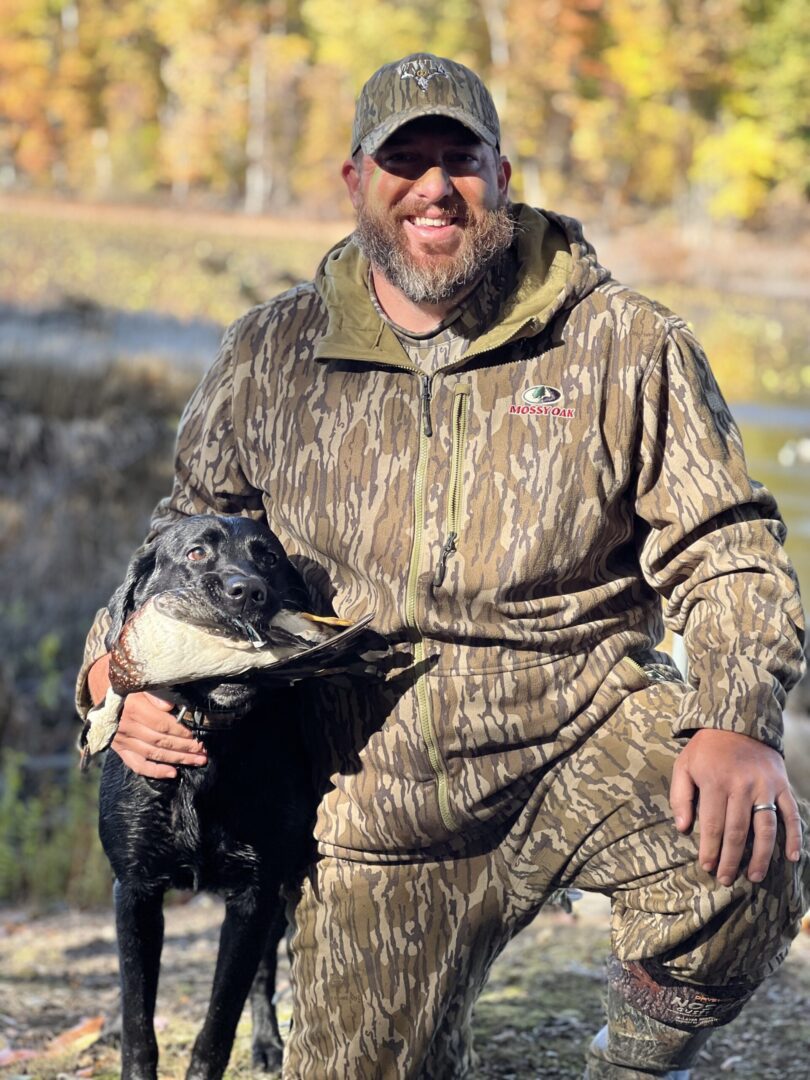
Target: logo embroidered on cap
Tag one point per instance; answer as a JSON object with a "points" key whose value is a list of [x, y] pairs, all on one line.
{"points": [[422, 71], [542, 401]]}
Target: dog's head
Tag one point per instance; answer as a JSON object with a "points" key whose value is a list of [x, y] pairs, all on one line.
{"points": [[234, 579]]}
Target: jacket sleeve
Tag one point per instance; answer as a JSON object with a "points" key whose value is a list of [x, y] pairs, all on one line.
{"points": [[711, 545], [208, 475]]}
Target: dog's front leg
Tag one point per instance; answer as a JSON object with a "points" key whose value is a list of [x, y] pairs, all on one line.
{"points": [[267, 1045], [139, 923], [247, 920]]}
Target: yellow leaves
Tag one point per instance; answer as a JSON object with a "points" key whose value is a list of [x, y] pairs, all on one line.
{"points": [[172, 22], [634, 100], [286, 52], [357, 37], [738, 165], [641, 60]]}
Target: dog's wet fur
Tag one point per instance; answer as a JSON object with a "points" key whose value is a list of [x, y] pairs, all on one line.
{"points": [[239, 825]]}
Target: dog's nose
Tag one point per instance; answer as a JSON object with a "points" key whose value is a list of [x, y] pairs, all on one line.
{"points": [[242, 590]]}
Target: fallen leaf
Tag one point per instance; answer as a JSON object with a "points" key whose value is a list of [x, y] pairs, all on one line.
{"points": [[10, 1057], [77, 1038]]}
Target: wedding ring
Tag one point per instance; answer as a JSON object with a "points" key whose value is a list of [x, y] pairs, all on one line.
{"points": [[764, 806]]}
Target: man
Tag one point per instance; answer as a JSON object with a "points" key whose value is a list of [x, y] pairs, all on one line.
{"points": [[465, 425]]}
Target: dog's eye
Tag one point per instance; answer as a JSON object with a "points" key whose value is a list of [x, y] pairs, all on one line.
{"points": [[271, 558], [196, 553]]}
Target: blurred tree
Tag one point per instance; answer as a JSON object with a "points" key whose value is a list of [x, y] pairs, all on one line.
{"points": [[549, 63], [30, 33], [667, 67], [759, 148], [696, 104]]}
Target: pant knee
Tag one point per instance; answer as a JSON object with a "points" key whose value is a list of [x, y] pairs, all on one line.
{"points": [[648, 988]]}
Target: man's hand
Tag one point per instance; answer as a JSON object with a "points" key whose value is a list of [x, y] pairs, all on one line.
{"points": [[732, 773], [149, 739]]}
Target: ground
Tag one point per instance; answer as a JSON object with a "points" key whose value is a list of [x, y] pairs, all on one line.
{"points": [[542, 1003]]}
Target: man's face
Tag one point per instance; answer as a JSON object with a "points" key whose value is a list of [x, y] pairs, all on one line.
{"points": [[431, 207]]}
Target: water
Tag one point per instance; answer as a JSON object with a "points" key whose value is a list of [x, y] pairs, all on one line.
{"points": [[91, 337], [768, 430]]}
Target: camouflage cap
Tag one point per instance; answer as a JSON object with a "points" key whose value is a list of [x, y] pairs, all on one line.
{"points": [[422, 85]]}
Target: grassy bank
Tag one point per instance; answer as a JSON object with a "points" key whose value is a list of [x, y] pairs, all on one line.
{"points": [[196, 267]]}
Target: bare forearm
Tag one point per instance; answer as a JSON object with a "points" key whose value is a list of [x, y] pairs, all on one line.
{"points": [[98, 679]]}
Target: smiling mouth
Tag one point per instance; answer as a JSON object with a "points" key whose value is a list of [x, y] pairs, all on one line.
{"points": [[433, 223]]}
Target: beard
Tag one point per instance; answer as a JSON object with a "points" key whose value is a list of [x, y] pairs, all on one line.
{"points": [[381, 239]]}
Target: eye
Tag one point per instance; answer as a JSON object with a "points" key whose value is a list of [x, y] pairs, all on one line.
{"points": [[462, 163], [196, 553]]}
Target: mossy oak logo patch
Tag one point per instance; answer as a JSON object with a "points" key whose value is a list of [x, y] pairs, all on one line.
{"points": [[542, 401], [422, 71]]}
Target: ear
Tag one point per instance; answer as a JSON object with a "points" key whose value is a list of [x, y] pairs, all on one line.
{"points": [[122, 601], [351, 178], [504, 175]]}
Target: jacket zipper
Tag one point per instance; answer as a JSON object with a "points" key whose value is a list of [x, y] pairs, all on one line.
{"points": [[454, 494], [637, 666], [427, 395], [411, 592], [651, 675]]}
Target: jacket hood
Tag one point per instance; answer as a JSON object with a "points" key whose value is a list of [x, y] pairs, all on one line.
{"points": [[557, 268]]}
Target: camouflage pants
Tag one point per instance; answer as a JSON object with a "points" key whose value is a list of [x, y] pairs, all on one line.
{"points": [[388, 960]]}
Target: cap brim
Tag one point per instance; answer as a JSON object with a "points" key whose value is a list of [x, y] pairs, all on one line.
{"points": [[372, 142]]}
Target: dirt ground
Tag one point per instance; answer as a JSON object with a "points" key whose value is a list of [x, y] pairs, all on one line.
{"points": [[542, 1003]]}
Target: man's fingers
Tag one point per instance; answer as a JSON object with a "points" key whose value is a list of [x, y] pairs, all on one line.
{"points": [[185, 745], [682, 798], [712, 817], [144, 767], [765, 825], [152, 742], [147, 751], [735, 835], [138, 709], [158, 702], [793, 823]]}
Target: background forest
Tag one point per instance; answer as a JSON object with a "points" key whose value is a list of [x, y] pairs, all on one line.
{"points": [[166, 164], [696, 106]]}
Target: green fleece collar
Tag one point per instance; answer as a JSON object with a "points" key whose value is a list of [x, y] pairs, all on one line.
{"points": [[356, 332]]}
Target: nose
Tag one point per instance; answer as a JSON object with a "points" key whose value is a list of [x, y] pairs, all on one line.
{"points": [[434, 184], [242, 591]]}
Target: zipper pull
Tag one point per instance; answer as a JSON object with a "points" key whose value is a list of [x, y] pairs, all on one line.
{"points": [[426, 396], [448, 547]]}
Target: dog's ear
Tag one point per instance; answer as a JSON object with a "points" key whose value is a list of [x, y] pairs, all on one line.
{"points": [[122, 601]]}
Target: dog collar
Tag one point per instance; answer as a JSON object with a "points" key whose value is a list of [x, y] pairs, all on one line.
{"points": [[201, 722]]}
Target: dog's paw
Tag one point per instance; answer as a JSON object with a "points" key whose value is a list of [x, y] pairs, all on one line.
{"points": [[266, 1055]]}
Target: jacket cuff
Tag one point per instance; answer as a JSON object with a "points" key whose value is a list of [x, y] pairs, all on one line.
{"points": [[739, 701]]}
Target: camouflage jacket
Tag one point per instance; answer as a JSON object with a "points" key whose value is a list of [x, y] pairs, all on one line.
{"points": [[523, 523]]}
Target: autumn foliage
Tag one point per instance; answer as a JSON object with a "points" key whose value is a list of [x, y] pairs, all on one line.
{"points": [[699, 105]]}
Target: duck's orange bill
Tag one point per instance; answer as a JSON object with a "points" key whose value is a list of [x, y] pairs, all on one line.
{"points": [[329, 620]]}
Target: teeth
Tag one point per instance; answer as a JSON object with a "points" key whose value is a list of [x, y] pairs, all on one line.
{"points": [[433, 223]]}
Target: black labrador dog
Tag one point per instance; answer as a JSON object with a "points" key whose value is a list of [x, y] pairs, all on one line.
{"points": [[241, 824]]}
